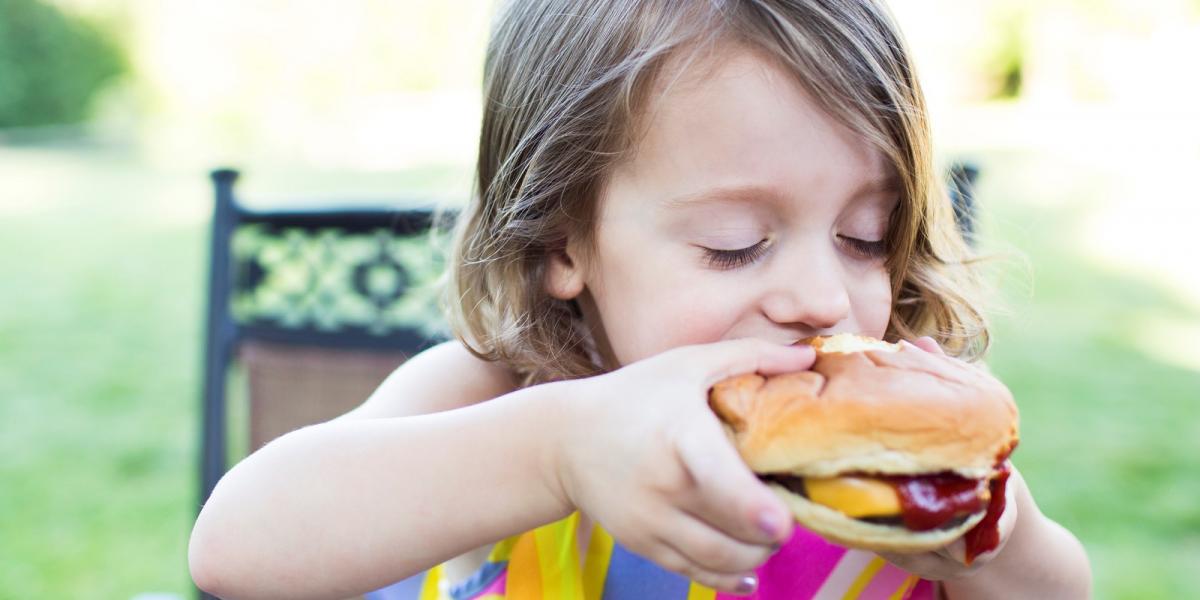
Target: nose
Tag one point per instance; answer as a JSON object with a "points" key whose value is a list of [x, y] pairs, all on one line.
{"points": [[808, 293]]}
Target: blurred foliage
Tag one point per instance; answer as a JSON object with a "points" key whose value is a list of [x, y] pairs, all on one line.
{"points": [[51, 64], [1004, 61]]}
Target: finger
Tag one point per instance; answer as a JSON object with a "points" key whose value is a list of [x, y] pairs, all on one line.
{"points": [[936, 357], [714, 362], [727, 494], [670, 558], [710, 548], [928, 344], [928, 565], [956, 551], [914, 358]]}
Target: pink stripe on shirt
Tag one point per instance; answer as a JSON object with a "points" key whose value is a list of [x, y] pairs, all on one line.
{"points": [[497, 586], [885, 583], [797, 570], [922, 591]]}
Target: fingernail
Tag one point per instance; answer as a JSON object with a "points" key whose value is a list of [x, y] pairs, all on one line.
{"points": [[747, 584], [769, 523]]}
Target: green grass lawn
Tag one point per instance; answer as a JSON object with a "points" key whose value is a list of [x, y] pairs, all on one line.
{"points": [[1110, 437], [100, 330]]}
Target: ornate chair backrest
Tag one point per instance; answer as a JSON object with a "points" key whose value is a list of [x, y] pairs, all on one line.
{"points": [[317, 305]]}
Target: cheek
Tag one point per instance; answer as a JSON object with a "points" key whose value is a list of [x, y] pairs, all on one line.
{"points": [[873, 303], [652, 313], [682, 323]]}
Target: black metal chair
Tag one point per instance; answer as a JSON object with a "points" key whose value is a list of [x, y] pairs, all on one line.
{"points": [[318, 306]]}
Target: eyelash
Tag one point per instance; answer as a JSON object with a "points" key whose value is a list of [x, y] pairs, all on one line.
{"points": [[732, 259], [866, 249]]}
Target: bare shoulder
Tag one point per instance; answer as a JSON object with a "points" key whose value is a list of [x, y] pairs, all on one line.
{"points": [[444, 377]]}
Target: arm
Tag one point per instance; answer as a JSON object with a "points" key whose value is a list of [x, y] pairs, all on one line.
{"points": [[357, 503], [1040, 560], [637, 449]]}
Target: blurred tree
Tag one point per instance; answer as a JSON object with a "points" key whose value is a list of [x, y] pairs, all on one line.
{"points": [[51, 64], [1005, 66]]}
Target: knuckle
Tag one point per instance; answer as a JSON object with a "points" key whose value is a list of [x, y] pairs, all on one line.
{"points": [[715, 555], [673, 562], [689, 570], [707, 579], [669, 482], [648, 524], [658, 470], [699, 473]]}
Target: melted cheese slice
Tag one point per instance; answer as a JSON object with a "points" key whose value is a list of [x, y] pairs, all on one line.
{"points": [[854, 496]]}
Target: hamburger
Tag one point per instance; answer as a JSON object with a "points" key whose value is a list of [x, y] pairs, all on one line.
{"points": [[879, 446]]}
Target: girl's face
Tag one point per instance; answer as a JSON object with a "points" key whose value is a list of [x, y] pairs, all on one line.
{"points": [[744, 211]]}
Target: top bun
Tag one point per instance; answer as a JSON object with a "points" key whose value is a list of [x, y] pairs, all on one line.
{"points": [[872, 407]]}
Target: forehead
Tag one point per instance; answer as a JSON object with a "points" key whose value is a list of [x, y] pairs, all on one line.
{"points": [[732, 118]]}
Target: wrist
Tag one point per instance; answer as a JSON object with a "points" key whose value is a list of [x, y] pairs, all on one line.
{"points": [[551, 402], [1040, 559]]}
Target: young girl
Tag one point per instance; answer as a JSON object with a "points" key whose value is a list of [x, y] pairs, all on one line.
{"points": [[669, 192]]}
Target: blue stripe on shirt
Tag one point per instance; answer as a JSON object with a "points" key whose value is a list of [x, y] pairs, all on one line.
{"points": [[631, 577]]}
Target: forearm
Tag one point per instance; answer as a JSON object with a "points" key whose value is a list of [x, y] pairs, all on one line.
{"points": [[336, 509], [1040, 560]]}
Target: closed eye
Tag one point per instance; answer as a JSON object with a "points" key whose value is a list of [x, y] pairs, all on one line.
{"points": [[732, 259], [867, 249]]}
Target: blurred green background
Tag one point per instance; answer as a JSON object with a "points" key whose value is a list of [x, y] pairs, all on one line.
{"points": [[1081, 113]]}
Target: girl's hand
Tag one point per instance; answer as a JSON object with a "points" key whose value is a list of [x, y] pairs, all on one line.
{"points": [[950, 562], [642, 453]]}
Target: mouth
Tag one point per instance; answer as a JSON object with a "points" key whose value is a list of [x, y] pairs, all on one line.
{"points": [[806, 340]]}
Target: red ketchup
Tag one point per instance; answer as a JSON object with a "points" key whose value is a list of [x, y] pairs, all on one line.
{"points": [[929, 501], [985, 536]]}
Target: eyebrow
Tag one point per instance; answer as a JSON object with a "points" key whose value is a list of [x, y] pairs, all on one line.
{"points": [[745, 193], [729, 193], [877, 185]]}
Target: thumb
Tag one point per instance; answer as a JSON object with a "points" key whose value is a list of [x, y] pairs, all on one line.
{"points": [[714, 362]]}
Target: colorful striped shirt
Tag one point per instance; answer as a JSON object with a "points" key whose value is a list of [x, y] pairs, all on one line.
{"points": [[545, 564]]}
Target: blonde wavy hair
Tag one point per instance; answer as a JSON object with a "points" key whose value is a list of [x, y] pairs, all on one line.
{"points": [[563, 83]]}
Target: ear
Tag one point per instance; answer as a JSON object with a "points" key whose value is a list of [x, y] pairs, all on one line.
{"points": [[564, 272]]}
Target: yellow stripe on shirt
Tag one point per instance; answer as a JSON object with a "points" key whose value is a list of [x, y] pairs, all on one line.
{"points": [[595, 565], [429, 585], [864, 578], [558, 559], [701, 592], [502, 550], [905, 587]]}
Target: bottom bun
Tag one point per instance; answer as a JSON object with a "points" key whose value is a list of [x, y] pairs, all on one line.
{"points": [[837, 527]]}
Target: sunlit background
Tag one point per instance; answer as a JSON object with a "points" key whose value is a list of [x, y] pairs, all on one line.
{"points": [[1081, 114]]}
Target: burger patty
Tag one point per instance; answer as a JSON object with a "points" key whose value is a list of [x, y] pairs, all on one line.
{"points": [[899, 521], [925, 503]]}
